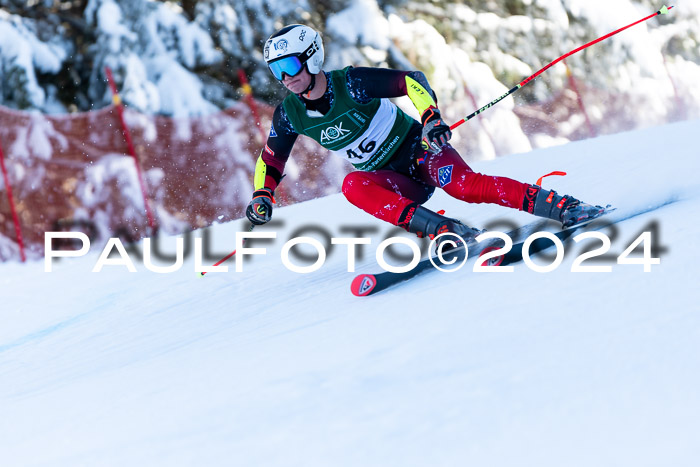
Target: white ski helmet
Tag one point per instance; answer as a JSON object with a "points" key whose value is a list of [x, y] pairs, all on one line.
{"points": [[291, 48]]}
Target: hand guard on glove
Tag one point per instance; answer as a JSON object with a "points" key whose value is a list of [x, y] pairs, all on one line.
{"points": [[436, 132], [259, 210]]}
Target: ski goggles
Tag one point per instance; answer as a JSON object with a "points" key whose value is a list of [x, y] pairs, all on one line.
{"points": [[290, 65]]}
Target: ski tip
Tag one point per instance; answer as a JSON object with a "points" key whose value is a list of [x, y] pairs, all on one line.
{"points": [[363, 285], [494, 260]]}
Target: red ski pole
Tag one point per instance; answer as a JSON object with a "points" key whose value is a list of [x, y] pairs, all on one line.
{"points": [[230, 255], [664, 10]]}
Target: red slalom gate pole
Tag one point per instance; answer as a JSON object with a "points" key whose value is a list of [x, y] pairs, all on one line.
{"points": [[248, 91], [663, 11], [13, 209], [116, 99], [579, 100], [230, 255]]}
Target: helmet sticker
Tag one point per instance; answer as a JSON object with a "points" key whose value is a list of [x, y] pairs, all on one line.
{"points": [[282, 45]]}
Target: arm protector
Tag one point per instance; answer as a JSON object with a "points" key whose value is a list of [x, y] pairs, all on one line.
{"points": [[419, 91]]}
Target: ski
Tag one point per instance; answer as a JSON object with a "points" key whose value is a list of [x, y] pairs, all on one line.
{"points": [[369, 284], [515, 254]]}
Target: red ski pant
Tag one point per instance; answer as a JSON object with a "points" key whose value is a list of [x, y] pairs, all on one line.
{"points": [[386, 193]]}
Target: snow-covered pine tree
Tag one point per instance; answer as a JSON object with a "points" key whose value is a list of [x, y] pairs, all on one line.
{"points": [[153, 51], [29, 48]]}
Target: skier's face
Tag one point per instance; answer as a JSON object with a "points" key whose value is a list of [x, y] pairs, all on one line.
{"points": [[297, 84]]}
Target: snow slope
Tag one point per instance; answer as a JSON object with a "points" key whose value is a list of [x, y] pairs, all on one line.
{"points": [[271, 367]]}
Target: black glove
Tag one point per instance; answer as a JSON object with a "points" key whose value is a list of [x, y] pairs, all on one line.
{"points": [[436, 132], [259, 210]]}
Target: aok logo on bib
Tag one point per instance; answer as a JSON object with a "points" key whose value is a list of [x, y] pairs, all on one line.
{"points": [[339, 132], [333, 132]]}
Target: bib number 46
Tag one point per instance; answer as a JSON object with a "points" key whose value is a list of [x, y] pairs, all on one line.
{"points": [[364, 147]]}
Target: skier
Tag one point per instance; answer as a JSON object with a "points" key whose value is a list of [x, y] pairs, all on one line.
{"points": [[399, 161]]}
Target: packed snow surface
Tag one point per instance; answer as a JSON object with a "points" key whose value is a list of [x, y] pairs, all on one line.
{"points": [[271, 367]]}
